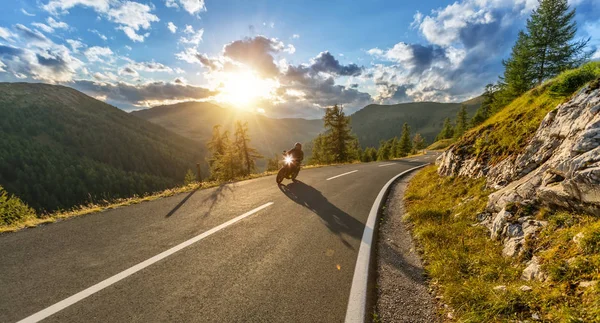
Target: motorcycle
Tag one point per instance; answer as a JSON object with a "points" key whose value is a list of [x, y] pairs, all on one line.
{"points": [[288, 170]]}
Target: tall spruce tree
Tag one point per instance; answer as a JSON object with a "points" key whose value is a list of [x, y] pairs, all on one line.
{"points": [[447, 130], [247, 154], [405, 142], [338, 136], [418, 142], [519, 75], [552, 30], [462, 122], [218, 147]]}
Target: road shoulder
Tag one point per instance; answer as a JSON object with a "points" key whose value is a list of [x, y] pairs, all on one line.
{"points": [[402, 289]]}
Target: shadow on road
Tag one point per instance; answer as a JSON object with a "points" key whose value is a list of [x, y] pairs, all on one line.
{"points": [[180, 204], [337, 221], [212, 199]]}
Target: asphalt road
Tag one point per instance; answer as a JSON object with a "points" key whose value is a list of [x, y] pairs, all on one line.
{"points": [[291, 261]]}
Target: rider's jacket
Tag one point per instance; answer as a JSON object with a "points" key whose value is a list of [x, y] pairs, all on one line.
{"points": [[297, 154]]}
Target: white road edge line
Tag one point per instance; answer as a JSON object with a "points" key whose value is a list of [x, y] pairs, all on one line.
{"points": [[387, 165], [340, 175], [357, 303], [128, 272]]}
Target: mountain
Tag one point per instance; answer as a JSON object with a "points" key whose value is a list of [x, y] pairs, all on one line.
{"points": [[195, 120], [377, 122], [62, 148]]}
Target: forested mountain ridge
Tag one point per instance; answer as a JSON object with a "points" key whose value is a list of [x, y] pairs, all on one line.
{"points": [[195, 120], [377, 122], [62, 148]]}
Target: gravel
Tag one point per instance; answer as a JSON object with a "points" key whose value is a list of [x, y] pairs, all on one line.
{"points": [[402, 288]]}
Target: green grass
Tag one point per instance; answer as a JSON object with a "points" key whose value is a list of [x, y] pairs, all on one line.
{"points": [[465, 265], [507, 132], [441, 144]]}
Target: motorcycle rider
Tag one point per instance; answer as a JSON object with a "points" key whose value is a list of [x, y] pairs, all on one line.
{"points": [[297, 155]]}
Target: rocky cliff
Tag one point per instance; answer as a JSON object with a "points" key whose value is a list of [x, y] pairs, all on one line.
{"points": [[558, 168]]}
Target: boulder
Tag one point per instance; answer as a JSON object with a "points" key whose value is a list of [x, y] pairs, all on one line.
{"points": [[533, 270]]}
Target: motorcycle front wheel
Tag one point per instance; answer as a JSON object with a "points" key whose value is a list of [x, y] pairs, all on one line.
{"points": [[280, 175]]}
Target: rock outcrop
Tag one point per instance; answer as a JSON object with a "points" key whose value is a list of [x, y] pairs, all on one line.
{"points": [[559, 168]]}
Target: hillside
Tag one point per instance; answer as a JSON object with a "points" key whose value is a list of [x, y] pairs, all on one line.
{"points": [[523, 186], [380, 122], [195, 120], [61, 148]]}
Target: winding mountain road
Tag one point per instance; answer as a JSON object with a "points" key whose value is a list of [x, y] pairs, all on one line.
{"points": [[244, 252]]}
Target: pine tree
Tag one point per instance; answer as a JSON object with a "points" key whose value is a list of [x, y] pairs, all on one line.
{"points": [[320, 154], [384, 150], [247, 154], [461, 122], [485, 110], [447, 130], [418, 143], [218, 146], [338, 137], [394, 152], [552, 30], [405, 143], [519, 76], [189, 177]]}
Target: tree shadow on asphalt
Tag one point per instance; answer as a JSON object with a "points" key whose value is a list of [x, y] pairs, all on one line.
{"points": [[337, 221], [212, 199]]}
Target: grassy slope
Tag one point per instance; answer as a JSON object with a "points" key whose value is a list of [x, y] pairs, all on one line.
{"points": [[376, 122], [507, 132], [465, 265]]}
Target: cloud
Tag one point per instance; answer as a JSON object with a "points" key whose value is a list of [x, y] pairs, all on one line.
{"points": [[172, 27], [132, 16], [105, 77], [295, 36], [96, 53], [94, 31], [57, 24], [128, 71], [194, 38], [255, 52], [194, 7], [27, 13], [43, 27], [146, 94], [62, 6], [325, 62], [75, 45], [53, 64], [6, 34], [151, 67], [192, 56], [32, 35], [129, 15]]}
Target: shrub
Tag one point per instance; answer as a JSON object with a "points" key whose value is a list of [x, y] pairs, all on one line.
{"points": [[13, 210], [570, 81]]}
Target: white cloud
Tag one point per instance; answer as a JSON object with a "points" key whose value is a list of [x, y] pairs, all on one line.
{"points": [[375, 52], [194, 7], [195, 37], [290, 49], [128, 47], [130, 32], [172, 27], [75, 45], [57, 24], [417, 19], [2, 66], [94, 31], [295, 36], [50, 64], [188, 55], [27, 13], [132, 16], [43, 27], [96, 53], [105, 77], [61, 6]]}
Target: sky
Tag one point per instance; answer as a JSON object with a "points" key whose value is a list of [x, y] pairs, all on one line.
{"points": [[279, 58]]}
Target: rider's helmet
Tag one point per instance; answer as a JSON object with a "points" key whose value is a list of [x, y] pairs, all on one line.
{"points": [[298, 145]]}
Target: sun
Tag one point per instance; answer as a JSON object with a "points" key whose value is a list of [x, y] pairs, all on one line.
{"points": [[246, 87]]}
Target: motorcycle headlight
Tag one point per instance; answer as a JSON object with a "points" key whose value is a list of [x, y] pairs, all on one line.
{"points": [[287, 160]]}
